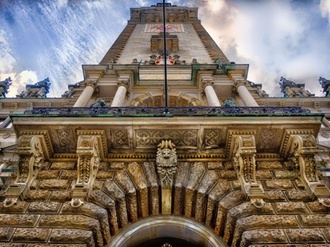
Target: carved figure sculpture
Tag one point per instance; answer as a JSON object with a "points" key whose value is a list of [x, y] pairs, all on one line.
{"points": [[99, 103], [37, 90], [4, 87], [325, 85]]}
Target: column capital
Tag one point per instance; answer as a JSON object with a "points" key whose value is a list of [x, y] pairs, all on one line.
{"points": [[238, 83], [207, 81], [123, 81], [91, 83]]}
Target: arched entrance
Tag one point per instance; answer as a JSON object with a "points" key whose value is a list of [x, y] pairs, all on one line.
{"points": [[179, 229]]}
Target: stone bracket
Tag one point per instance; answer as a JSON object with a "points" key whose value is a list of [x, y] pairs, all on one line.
{"points": [[166, 166], [243, 156], [31, 150], [88, 151], [302, 151], [166, 163]]}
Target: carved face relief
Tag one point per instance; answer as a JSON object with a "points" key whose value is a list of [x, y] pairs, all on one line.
{"points": [[166, 163], [166, 153]]}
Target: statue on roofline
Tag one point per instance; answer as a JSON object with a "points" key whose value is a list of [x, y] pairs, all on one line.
{"points": [[325, 85], [292, 89], [4, 87], [37, 90]]}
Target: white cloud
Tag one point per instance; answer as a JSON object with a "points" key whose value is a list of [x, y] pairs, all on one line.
{"points": [[325, 8], [274, 37], [7, 69], [62, 3], [20, 80], [7, 61]]}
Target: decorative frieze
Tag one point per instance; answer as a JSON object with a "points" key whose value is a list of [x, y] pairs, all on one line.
{"points": [[120, 138], [212, 138], [65, 139], [181, 138]]}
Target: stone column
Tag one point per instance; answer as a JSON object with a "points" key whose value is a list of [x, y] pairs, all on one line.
{"points": [[245, 94], [86, 95], [122, 91], [211, 96]]}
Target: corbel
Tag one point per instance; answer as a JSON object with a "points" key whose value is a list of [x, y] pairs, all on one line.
{"points": [[90, 151], [301, 152], [243, 156], [31, 150]]}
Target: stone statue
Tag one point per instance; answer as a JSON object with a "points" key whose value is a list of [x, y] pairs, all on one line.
{"points": [[99, 103], [37, 90], [229, 102], [325, 85], [292, 89], [4, 87], [44, 84]]}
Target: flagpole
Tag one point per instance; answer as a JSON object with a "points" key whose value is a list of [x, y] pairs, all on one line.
{"points": [[165, 58]]}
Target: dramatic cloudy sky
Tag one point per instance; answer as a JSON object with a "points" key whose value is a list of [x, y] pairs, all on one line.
{"points": [[53, 38]]}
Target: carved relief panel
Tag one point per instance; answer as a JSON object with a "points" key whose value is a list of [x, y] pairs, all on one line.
{"points": [[149, 138]]}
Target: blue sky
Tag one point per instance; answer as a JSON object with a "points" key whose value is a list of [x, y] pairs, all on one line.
{"points": [[53, 38]]}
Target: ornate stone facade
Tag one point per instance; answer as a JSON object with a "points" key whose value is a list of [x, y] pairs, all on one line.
{"points": [[233, 168]]}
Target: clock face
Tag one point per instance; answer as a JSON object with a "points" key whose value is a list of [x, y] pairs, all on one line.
{"points": [[156, 28]]}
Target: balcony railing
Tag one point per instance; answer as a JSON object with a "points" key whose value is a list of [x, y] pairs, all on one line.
{"points": [[170, 111]]}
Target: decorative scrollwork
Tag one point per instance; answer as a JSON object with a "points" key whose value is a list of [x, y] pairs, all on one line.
{"points": [[302, 154], [244, 153], [88, 152], [32, 156]]}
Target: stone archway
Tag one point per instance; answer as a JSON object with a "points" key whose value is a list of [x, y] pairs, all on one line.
{"points": [[166, 226], [133, 194]]}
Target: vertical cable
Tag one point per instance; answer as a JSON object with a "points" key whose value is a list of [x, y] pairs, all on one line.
{"points": [[165, 58]]}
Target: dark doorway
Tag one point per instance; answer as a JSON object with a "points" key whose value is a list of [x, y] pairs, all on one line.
{"points": [[175, 242]]}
